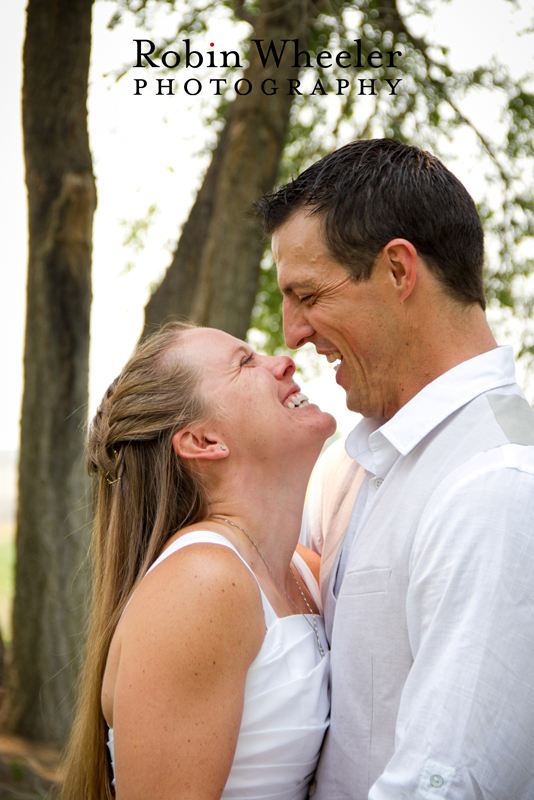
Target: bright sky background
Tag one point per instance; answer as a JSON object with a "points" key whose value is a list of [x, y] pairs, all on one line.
{"points": [[144, 151]]}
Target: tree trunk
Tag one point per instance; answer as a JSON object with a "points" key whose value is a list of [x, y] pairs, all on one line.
{"points": [[52, 519], [213, 276]]}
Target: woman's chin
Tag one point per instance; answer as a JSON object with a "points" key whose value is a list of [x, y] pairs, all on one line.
{"points": [[328, 425], [325, 427], [332, 425]]}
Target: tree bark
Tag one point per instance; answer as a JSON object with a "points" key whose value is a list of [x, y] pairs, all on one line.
{"points": [[53, 507], [213, 276]]}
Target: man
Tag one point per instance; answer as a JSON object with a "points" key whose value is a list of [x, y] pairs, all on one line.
{"points": [[429, 600]]}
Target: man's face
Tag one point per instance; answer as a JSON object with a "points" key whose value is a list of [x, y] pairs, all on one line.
{"points": [[356, 322]]}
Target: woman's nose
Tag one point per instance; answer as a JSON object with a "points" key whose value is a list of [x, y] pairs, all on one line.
{"points": [[282, 366]]}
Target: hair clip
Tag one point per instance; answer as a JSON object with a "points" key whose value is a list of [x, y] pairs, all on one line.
{"points": [[110, 481]]}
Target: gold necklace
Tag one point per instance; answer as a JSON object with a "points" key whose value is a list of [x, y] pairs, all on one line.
{"points": [[312, 623]]}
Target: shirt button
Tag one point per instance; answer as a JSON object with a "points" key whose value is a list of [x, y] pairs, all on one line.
{"points": [[436, 780], [379, 482]]}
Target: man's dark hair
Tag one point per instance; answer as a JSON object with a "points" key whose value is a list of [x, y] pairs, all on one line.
{"points": [[370, 192]]}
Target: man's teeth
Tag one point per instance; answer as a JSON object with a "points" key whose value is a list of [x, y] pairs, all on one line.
{"points": [[296, 400], [335, 356]]}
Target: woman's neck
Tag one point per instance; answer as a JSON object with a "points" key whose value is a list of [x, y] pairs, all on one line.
{"points": [[268, 508]]}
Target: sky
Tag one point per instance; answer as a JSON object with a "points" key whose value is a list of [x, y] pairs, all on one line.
{"points": [[148, 151]]}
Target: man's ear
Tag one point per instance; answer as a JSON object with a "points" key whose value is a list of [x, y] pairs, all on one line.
{"points": [[400, 257], [198, 443]]}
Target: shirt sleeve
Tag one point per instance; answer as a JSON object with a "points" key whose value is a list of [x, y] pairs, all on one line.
{"points": [[311, 532], [465, 728]]}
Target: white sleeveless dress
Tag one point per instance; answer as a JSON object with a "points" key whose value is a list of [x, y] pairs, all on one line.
{"points": [[286, 705]]}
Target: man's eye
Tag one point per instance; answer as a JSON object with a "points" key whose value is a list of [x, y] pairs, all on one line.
{"points": [[305, 298], [247, 360]]}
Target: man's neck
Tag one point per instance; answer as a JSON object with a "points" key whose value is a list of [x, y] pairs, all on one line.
{"points": [[447, 338]]}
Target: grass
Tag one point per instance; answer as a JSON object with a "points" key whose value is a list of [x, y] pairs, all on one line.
{"points": [[7, 566]]}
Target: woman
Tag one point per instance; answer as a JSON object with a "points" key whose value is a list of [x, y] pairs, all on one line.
{"points": [[208, 672]]}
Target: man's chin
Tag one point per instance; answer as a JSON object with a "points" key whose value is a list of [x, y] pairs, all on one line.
{"points": [[353, 398], [356, 404], [353, 401]]}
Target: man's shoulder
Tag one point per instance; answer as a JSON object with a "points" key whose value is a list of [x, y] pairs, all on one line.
{"points": [[508, 468], [514, 416], [491, 419]]}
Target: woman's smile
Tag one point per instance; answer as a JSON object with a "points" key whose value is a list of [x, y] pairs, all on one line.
{"points": [[296, 400]]}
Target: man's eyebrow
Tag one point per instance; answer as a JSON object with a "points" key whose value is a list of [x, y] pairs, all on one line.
{"points": [[290, 287]]}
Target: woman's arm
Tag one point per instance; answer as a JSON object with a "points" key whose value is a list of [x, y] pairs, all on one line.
{"points": [[313, 560], [192, 630]]}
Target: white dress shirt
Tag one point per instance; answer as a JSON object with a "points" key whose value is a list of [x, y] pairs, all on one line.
{"points": [[458, 541]]}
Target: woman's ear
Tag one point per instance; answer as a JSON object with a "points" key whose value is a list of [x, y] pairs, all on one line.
{"points": [[197, 443]]}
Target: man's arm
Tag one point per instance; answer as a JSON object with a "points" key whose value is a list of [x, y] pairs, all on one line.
{"points": [[465, 727]]}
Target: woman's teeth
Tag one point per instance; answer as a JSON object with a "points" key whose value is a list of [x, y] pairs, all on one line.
{"points": [[296, 400], [335, 356]]}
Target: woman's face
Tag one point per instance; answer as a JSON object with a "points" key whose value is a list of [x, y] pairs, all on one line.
{"points": [[254, 399]]}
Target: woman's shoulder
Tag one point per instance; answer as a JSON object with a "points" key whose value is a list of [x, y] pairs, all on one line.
{"points": [[193, 592], [200, 605], [203, 572]]}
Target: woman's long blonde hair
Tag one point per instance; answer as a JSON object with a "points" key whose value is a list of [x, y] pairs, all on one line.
{"points": [[144, 495]]}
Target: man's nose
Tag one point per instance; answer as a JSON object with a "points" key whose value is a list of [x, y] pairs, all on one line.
{"points": [[297, 331]]}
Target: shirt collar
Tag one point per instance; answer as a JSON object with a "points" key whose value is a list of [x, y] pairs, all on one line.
{"points": [[377, 443]]}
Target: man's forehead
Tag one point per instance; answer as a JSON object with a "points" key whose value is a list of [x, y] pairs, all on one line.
{"points": [[301, 229], [297, 243], [306, 270]]}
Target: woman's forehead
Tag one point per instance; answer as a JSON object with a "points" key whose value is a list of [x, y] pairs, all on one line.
{"points": [[209, 345], [211, 338]]}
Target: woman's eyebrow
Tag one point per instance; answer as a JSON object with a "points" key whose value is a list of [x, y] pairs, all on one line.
{"points": [[241, 349]]}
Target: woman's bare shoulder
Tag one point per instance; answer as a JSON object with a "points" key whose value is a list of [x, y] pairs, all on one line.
{"points": [[200, 602], [199, 578]]}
